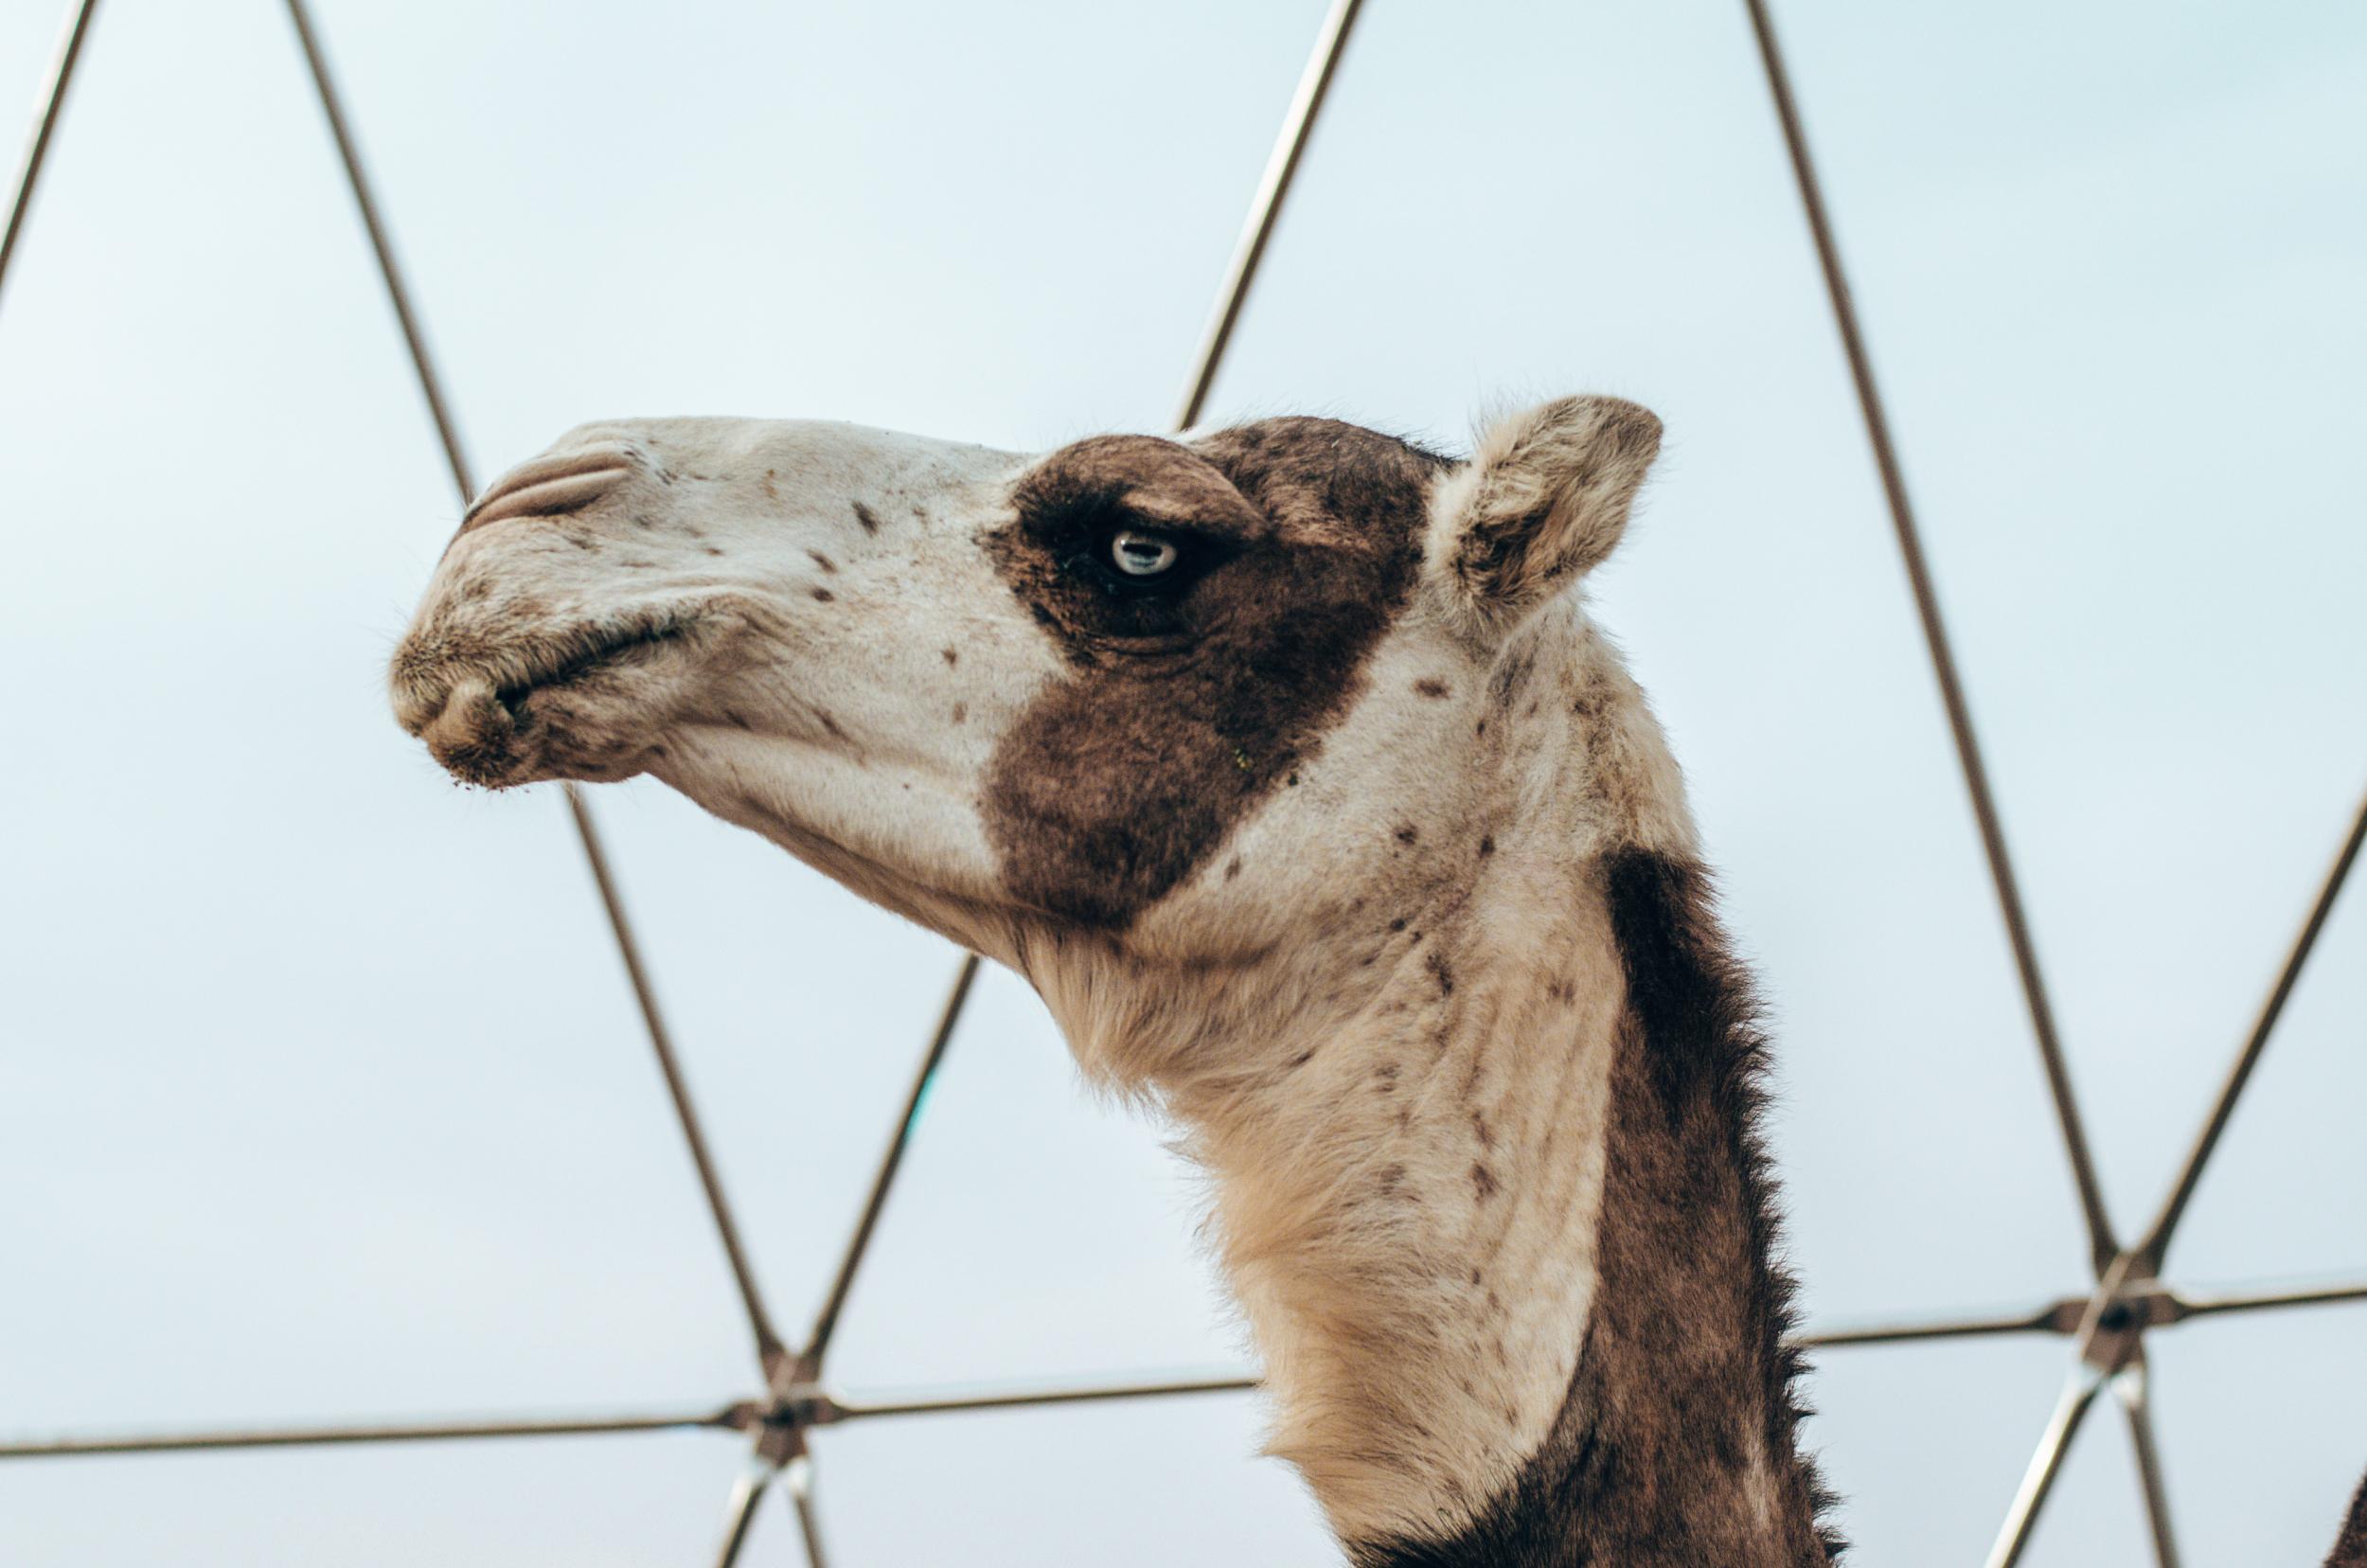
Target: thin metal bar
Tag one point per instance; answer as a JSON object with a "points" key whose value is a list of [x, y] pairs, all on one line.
{"points": [[732, 1418], [2057, 1317], [771, 1353], [925, 1403], [2078, 1397], [2156, 1245], [37, 148], [2130, 1386], [1281, 165], [825, 1321], [2184, 1306], [389, 270], [797, 1481], [2101, 1248], [739, 1513]]}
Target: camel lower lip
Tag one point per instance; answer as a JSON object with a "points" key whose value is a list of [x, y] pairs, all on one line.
{"points": [[569, 671], [490, 734]]}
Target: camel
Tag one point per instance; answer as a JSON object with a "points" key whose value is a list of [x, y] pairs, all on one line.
{"points": [[1287, 763]]}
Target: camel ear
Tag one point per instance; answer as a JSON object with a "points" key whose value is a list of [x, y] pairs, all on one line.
{"points": [[1541, 503]]}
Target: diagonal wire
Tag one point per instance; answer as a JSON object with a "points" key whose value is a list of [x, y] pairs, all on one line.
{"points": [[2101, 1246], [739, 1512], [769, 1350], [731, 1417], [1282, 164], [52, 105], [825, 1321], [947, 1401], [798, 1482], [2131, 1386], [2078, 1397], [2151, 1251], [1298, 124]]}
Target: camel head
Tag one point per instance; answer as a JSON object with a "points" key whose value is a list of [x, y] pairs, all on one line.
{"points": [[1172, 699]]}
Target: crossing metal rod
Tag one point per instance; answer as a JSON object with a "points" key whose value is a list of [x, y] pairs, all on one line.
{"points": [[770, 1354], [2156, 1245], [37, 150], [797, 1481], [948, 1401], [2078, 1398], [2101, 1248], [1282, 164], [769, 1350], [825, 1321], [2132, 1387], [2185, 1306], [731, 1417], [390, 271], [740, 1512], [2056, 1317]]}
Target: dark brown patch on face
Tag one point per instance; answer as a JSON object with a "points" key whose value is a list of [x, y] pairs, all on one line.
{"points": [[1431, 688], [1188, 702], [869, 518], [1685, 1378]]}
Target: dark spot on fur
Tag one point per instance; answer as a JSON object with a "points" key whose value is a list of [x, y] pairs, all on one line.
{"points": [[1185, 705], [961, 713], [1397, 925], [770, 474], [713, 551], [1487, 845], [1431, 688], [637, 565], [822, 560], [1232, 868], [1391, 1177], [824, 595], [1483, 1182], [869, 518], [1436, 964], [1483, 1132], [829, 724], [952, 657], [1405, 834]]}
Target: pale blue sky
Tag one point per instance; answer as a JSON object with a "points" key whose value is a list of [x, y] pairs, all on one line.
{"points": [[320, 1093]]}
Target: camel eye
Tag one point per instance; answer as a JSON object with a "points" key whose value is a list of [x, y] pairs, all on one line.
{"points": [[1137, 554]]}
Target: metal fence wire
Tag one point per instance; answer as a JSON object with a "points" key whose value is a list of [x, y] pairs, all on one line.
{"points": [[2106, 1322]]}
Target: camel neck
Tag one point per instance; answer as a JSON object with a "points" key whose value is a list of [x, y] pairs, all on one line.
{"points": [[1503, 1233]]}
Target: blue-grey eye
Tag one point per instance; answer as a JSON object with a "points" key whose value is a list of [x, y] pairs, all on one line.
{"points": [[1140, 555]]}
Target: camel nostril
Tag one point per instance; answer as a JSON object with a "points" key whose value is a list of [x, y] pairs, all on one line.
{"points": [[551, 487]]}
